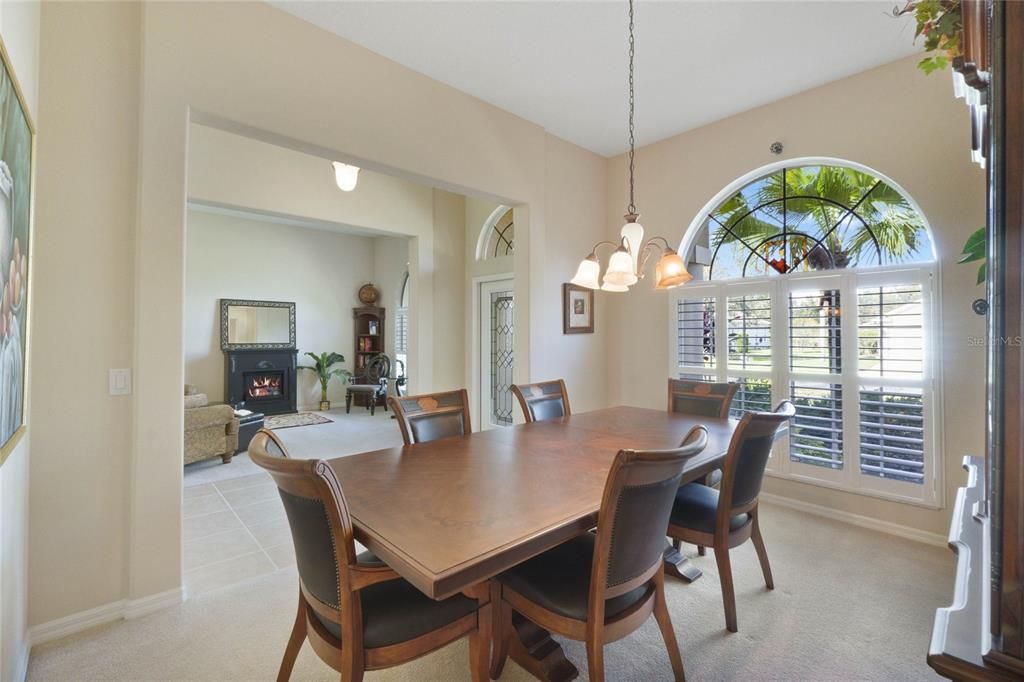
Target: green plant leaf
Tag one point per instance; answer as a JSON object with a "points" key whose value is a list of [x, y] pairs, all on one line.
{"points": [[976, 246], [982, 273]]}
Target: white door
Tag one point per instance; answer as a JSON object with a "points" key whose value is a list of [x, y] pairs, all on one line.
{"points": [[497, 325]]}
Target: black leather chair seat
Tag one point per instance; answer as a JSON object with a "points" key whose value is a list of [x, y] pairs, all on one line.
{"points": [[396, 611], [696, 506], [559, 580]]}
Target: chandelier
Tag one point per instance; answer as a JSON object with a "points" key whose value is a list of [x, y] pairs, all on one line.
{"points": [[629, 259]]}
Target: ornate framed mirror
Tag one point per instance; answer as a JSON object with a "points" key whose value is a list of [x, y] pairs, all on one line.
{"points": [[256, 325]]}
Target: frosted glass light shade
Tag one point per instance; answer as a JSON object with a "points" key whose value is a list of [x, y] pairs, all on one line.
{"points": [[588, 272], [346, 176], [671, 271], [613, 287], [620, 269], [633, 233]]}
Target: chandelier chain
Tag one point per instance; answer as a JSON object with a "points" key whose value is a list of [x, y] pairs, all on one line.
{"points": [[632, 141]]}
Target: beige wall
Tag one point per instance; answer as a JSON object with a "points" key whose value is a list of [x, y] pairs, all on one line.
{"points": [[449, 276], [83, 318], [390, 263], [319, 271], [114, 264], [893, 119], [19, 28], [226, 169]]}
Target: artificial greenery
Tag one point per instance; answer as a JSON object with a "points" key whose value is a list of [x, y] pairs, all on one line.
{"points": [[975, 249], [940, 22], [323, 365]]}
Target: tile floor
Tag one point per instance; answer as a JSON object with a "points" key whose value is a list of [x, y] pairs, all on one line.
{"points": [[234, 527], [234, 530]]}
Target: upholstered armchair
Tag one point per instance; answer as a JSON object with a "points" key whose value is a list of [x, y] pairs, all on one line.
{"points": [[210, 430]]}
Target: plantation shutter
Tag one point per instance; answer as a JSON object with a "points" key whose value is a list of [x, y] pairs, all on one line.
{"points": [[890, 342]]}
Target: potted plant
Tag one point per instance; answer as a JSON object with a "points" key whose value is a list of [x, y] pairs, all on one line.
{"points": [[323, 365]]}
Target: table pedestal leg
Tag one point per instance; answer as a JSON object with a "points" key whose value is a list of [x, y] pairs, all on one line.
{"points": [[535, 651], [678, 565]]}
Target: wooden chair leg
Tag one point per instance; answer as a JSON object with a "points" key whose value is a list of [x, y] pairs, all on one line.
{"points": [[480, 644], [667, 633], [762, 553], [595, 659], [352, 666], [701, 550], [501, 630], [677, 544], [728, 592], [295, 642]]}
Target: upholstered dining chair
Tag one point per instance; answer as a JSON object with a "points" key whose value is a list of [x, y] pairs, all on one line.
{"points": [[726, 519], [707, 400], [356, 612], [601, 586], [431, 416], [543, 400], [701, 397]]}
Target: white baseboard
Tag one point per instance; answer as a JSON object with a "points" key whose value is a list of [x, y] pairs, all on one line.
{"points": [[76, 622], [137, 608], [108, 613], [858, 520]]}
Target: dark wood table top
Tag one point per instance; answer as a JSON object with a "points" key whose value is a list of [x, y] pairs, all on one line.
{"points": [[450, 513]]}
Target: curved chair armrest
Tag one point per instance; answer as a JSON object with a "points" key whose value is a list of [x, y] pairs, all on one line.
{"points": [[363, 577]]}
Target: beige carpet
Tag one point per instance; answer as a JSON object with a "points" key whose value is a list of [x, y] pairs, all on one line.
{"points": [[850, 604]]}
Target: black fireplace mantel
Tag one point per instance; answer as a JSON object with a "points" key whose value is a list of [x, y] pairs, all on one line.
{"points": [[261, 380]]}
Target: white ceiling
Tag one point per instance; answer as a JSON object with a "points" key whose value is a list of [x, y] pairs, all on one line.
{"points": [[562, 65]]}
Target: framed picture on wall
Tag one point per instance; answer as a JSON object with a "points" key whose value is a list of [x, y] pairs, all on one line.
{"points": [[17, 143], [577, 309]]}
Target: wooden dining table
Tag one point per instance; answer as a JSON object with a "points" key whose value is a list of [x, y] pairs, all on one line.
{"points": [[451, 513]]}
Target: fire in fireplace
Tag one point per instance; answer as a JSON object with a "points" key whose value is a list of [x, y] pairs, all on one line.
{"points": [[264, 385]]}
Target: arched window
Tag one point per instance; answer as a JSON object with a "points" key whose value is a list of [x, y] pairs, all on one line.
{"points": [[811, 218], [402, 327], [813, 282], [497, 237]]}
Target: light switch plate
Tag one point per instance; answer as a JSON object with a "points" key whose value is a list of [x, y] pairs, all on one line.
{"points": [[120, 381]]}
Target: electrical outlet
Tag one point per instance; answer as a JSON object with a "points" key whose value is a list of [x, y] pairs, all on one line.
{"points": [[120, 381]]}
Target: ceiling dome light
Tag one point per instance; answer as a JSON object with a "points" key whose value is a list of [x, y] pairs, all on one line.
{"points": [[345, 175]]}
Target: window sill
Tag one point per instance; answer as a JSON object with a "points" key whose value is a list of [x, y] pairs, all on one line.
{"points": [[863, 492]]}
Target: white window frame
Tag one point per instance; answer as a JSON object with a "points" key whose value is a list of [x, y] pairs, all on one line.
{"points": [[930, 493]]}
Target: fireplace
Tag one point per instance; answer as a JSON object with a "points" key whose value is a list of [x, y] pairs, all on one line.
{"points": [[261, 380], [263, 385]]}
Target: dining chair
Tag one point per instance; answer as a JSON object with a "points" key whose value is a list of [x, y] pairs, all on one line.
{"points": [[432, 416], [356, 612], [543, 400], [601, 586], [726, 519], [704, 399]]}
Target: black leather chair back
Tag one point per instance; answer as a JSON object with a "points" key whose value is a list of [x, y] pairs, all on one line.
{"points": [[424, 418], [700, 397], [749, 451], [314, 547], [312, 498], [634, 514], [543, 401]]}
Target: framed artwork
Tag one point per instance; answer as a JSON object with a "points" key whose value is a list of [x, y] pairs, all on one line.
{"points": [[577, 309], [17, 146]]}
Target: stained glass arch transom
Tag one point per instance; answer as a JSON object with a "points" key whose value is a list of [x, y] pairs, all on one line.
{"points": [[810, 217]]}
